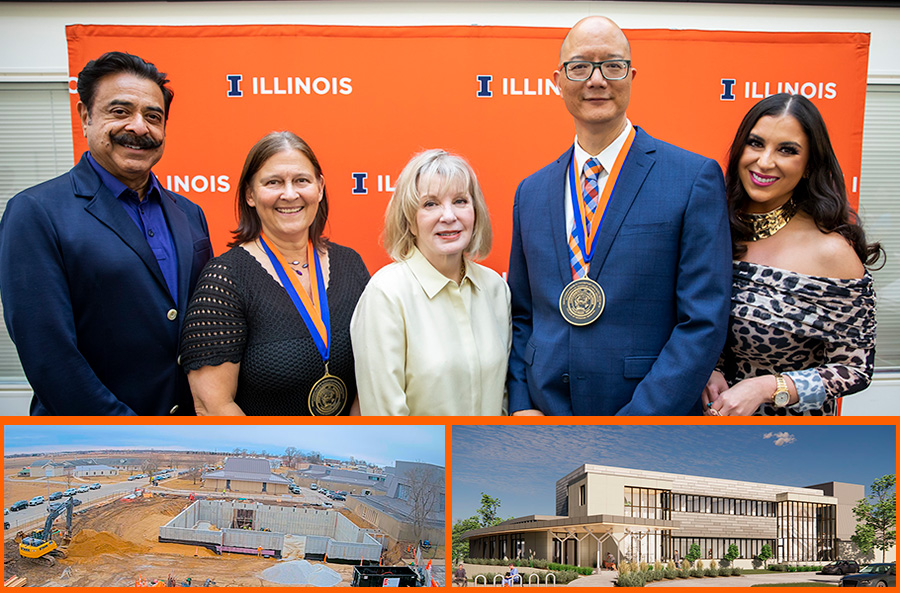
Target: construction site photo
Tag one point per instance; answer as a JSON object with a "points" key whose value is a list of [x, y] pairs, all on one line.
{"points": [[240, 516]]}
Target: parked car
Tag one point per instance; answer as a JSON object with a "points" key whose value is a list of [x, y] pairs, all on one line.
{"points": [[313, 487], [18, 506], [337, 496], [95, 486], [326, 505], [36, 501], [872, 575], [294, 488], [84, 488], [55, 496], [841, 567], [69, 492]]}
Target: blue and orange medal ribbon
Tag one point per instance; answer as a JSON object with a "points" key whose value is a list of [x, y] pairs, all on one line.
{"points": [[313, 309], [579, 208]]}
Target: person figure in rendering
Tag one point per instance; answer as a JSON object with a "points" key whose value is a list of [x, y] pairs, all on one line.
{"points": [[97, 265], [619, 268]]}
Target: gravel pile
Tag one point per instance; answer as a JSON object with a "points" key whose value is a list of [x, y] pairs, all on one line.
{"points": [[301, 572]]}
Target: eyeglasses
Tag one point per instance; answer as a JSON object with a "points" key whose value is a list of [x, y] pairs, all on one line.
{"points": [[579, 70]]}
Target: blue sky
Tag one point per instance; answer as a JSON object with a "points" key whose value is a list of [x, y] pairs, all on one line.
{"points": [[521, 464], [381, 445]]}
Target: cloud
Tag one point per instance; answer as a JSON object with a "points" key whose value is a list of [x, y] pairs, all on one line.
{"points": [[781, 438]]}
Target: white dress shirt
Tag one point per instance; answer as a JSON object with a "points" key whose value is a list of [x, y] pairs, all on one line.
{"points": [[607, 158], [425, 346]]}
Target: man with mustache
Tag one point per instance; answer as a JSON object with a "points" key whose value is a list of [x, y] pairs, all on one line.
{"points": [[97, 265], [620, 268]]}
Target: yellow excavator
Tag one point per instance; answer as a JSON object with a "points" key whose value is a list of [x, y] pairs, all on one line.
{"points": [[40, 545]]}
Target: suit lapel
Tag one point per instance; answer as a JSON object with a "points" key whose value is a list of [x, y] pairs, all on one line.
{"points": [[106, 208], [180, 229], [631, 177], [558, 230]]}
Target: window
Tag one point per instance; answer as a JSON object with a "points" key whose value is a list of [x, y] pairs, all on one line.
{"points": [[879, 180], [581, 499], [35, 145]]}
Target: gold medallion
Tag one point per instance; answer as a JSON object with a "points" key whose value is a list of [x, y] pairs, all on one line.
{"points": [[582, 301], [328, 396]]}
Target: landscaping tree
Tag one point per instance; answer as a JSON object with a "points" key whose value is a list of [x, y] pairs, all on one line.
{"points": [[460, 545], [488, 511], [693, 553], [486, 517], [731, 554], [765, 553], [876, 517]]}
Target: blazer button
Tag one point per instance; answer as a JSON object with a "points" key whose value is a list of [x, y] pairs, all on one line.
{"points": [[173, 410], [172, 314], [565, 378]]}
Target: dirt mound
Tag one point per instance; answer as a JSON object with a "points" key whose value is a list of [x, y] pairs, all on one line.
{"points": [[88, 543]]}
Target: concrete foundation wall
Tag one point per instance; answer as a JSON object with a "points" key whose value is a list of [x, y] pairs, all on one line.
{"points": [[326, 531]]}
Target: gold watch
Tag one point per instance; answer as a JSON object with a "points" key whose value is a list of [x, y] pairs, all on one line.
{"points": [[782, 396]]}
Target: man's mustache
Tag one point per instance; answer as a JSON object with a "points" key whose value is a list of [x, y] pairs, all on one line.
{"points": [[129, 139]]}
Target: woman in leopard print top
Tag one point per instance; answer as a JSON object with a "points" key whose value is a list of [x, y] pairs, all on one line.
{"points": [[803, 306]]}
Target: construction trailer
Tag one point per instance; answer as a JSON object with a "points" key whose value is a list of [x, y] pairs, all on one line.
{"points": [[260, 529]]}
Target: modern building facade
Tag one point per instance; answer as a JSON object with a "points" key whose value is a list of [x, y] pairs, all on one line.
{"points": [[645, 516]]}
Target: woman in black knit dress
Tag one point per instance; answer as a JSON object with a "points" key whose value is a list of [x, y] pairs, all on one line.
{"points": [[267, 331]]}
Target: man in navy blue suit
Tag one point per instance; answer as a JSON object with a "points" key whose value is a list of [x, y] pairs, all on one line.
{"points": [[97, 265], [620, 267]]}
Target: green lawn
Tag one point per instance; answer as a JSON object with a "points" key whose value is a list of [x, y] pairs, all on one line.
{"points": [[795, 585]]}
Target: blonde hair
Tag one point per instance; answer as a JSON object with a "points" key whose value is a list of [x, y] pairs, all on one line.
{"points": [[400, 216]]}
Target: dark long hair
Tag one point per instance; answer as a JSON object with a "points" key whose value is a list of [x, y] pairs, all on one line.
{"points": [[821, 192], [249, 225]]}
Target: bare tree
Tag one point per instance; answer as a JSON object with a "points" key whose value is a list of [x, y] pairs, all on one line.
{"points": [[149, 466], [68, 471], [424, 492], [290, 456]]}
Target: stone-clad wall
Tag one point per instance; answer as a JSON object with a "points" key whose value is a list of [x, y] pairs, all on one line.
{"points": [[711, 525]]}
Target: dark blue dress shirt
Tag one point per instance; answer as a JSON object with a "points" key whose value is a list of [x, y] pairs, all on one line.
{"points": [[149, 217]]}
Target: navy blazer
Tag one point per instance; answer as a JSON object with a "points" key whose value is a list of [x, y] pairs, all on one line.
{"points": [[86, 303], [663, 258]]}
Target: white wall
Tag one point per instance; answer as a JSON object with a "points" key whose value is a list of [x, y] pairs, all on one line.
{"points": [[33, 43]]}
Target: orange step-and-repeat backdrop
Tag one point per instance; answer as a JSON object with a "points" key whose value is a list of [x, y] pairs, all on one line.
{"points": [[368, 98]]}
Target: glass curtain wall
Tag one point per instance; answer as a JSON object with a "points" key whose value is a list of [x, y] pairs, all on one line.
{"points": [[806, 531]]}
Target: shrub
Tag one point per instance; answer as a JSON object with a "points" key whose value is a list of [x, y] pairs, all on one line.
{"points": [[671, 565], [670, 572], [777, 567], [694, 553], [633, 579], [732, 554], [657, 565], [736, 572], [624, 568], [696, 572], [724, 571], [681, 573], [711, 572]]}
